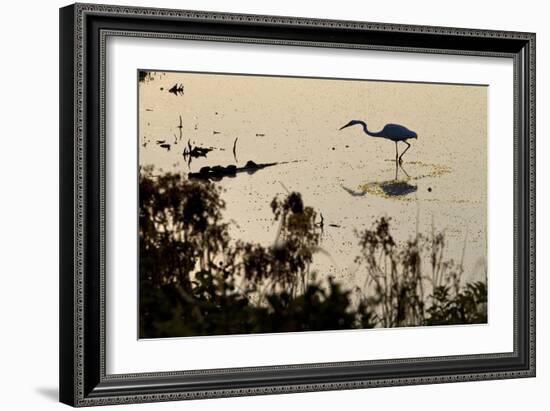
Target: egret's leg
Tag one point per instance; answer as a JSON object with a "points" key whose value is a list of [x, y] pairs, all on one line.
{"points": [[396, 152], [408, 146], [404, 171]]}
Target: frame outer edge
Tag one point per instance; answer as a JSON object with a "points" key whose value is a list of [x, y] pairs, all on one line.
{"points": [[234, 17], [72, 192], [66, 201]]}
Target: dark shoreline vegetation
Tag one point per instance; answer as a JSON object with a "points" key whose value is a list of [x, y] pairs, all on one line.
{"points": [[196, 280]]}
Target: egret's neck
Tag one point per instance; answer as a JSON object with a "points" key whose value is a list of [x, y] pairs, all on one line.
{"points": [[366, 130]]}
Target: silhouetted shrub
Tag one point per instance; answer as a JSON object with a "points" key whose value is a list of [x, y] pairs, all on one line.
{"points": [[401, 292]]}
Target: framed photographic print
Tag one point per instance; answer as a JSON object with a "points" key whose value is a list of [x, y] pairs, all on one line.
{"points": [[261, 204]]}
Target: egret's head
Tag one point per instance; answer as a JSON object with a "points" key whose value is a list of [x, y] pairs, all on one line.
{"points": [[352, 123]]}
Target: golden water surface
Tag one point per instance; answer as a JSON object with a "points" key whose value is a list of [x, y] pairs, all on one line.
{"points": [[347, 176]]}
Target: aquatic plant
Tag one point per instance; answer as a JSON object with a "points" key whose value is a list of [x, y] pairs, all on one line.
{"points": [[402, 291], [144, 75]]}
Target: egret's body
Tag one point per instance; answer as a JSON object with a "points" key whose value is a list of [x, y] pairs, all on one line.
{"points": [[393, 132]]}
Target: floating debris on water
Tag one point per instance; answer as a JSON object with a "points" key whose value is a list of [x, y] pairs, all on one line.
{"points": [[216, 132], [177, 90], [260, 135], [399, 189], [435, 170], [165, 145], [196, 151]]}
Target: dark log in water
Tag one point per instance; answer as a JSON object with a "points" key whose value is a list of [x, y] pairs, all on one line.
{"points": [[218, 172]]}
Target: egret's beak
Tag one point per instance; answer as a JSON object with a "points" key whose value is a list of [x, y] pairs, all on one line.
{"points": [[343, 127]]}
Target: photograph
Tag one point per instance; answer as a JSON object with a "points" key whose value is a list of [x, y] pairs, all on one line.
{"points": [[281, 204], [257, 201]]}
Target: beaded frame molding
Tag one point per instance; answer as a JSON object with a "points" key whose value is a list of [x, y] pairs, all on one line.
{"points": [[83, 32]]}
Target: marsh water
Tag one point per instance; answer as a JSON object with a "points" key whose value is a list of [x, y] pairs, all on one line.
{"points": [[348, 177]]}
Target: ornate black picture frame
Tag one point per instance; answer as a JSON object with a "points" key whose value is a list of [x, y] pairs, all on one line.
{"points": [[83, 30]]}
